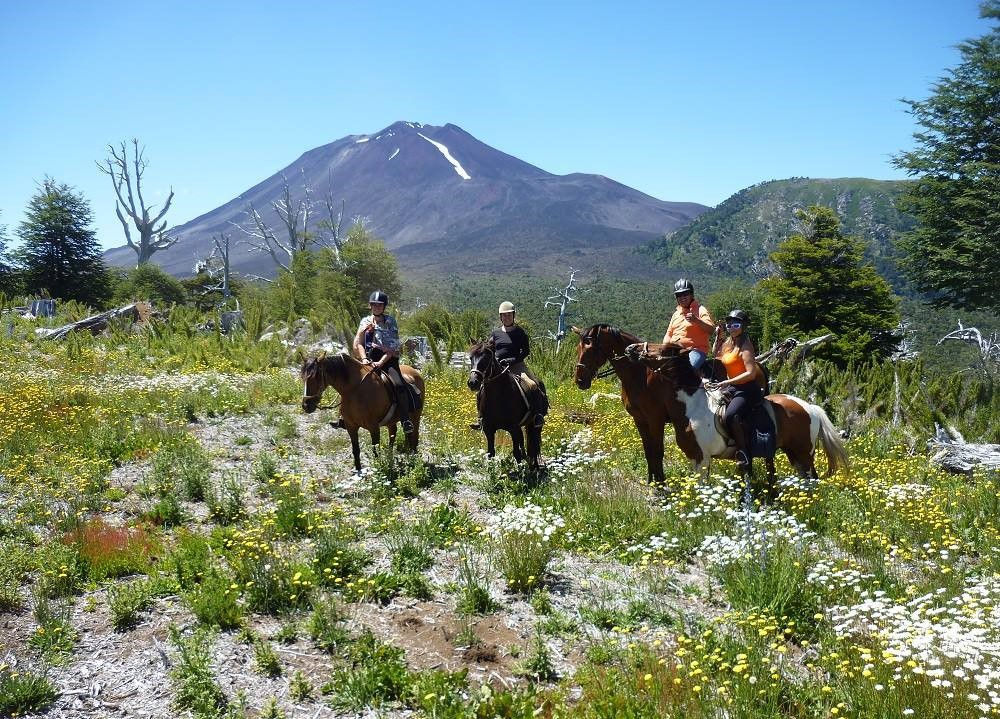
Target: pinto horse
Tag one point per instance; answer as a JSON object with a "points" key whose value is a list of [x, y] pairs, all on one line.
{"points": [[800, 426], [646, 394], [502, 405], [367, 401]]}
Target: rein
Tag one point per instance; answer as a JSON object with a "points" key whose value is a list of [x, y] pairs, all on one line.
{"points": [[611, 358], [492, 376]]}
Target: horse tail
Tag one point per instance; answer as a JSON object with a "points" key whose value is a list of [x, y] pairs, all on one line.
{"points": [[836, 453]]}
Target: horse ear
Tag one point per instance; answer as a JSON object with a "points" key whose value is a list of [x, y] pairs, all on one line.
{"points": [[577, 330]]}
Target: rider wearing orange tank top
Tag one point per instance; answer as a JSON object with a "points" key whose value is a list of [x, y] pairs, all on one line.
{"points": [[738, 356]]}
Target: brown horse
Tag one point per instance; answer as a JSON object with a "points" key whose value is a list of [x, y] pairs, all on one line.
{"points": [[645, 393], [800, 426], [502, 405], [367, 400]]}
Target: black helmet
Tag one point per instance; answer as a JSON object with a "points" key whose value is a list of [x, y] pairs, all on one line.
{"points": [[739, 316], [378, 296], [683, 285]]}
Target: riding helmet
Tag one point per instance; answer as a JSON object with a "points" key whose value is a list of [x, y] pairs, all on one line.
{"points": [[506, 307], [739, 316], [378, 296], [683, 285]]}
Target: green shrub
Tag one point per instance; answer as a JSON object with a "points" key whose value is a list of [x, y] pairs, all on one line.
{"points": [[215, 602], [186, 464], [189, 559], [375, 674], [326, 624], [225, 501], [125, 601], [24, 692], [194, 683], [266, 659], [55, 636], [473, 596]]}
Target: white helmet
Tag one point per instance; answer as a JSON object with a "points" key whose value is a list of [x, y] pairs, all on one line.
{"points": [[506, 307]]}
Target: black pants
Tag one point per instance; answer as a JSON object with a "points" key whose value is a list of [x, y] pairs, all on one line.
{"points": [[392, 371], [744, 397]]}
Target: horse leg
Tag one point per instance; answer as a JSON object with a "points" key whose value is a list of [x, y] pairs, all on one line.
{"points": [[376, 438], [355, 447], [517, 439], [772, 486], [654, 463], [534, 446], [656, 450], [491, 441]]}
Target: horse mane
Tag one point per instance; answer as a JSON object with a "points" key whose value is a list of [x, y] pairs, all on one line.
{"points": [[479, 346], [628, 337], [333, 365]]}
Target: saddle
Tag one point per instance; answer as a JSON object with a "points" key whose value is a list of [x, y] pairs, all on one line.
{"points": [[760, 423], [388, 382]]}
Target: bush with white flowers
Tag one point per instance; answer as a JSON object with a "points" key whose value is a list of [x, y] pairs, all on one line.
{"points": [[522, 540]]}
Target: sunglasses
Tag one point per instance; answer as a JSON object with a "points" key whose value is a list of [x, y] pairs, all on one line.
{"points": [[734, 325]]}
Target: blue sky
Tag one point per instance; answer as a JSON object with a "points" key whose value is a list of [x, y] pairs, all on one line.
{"points": [[683, 101]]}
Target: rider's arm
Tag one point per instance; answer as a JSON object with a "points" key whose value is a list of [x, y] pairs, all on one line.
{"points": [[720, 338], [750, 362], [523, 349], [704, 319], [359, 339]]}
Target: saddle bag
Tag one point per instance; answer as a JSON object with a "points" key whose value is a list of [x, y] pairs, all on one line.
{"points": [[763, 438]]}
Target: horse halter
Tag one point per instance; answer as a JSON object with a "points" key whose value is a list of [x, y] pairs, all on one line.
{"points": [[319, 373], [488, 376], [611, 358]]}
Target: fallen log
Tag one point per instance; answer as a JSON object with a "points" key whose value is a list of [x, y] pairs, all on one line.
{"points": [[136, 312], [950, 451]]}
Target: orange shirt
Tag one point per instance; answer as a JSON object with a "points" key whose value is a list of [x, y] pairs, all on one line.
{"points": [[689, 334], [733, 363]]}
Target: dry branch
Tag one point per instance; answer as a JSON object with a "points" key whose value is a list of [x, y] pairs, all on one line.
{"points": [[950, 451]]}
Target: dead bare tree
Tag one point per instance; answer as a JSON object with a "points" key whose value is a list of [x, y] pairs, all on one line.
{"points": [[296, 235], [216, 266], [989, 347], [126, 177]]}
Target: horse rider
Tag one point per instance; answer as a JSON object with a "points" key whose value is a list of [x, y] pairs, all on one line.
{"points": [[511, 348], [744, 376], [691, 325], [377, 343]]}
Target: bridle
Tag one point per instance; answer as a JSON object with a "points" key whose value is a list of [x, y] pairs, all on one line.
{"points": [[489, 375], [320, 375], [615, 332]]}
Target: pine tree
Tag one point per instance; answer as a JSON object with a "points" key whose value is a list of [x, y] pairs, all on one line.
{"points": [[7, 277], [825, 286], [956, 196], [59, 253]]}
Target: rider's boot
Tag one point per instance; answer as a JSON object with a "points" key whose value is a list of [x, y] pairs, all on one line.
{"points": [[403, 404], [738, 431]]}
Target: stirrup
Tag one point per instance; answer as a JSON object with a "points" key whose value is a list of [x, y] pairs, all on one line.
{"points": [[407, 426], [539, 421], [477, 425]]}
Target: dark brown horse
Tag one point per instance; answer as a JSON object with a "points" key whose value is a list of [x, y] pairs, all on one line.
{"points": [[367, 399], [502, 405], [800, 426], [645, 393]]}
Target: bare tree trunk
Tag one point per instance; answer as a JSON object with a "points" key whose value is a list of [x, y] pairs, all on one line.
{"points": [[126, 177]]}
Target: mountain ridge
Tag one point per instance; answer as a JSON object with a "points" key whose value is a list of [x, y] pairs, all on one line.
{"points": [[437, 196]]}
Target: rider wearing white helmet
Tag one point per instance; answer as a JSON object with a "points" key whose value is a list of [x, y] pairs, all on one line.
{"points": [[512, 347]]}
